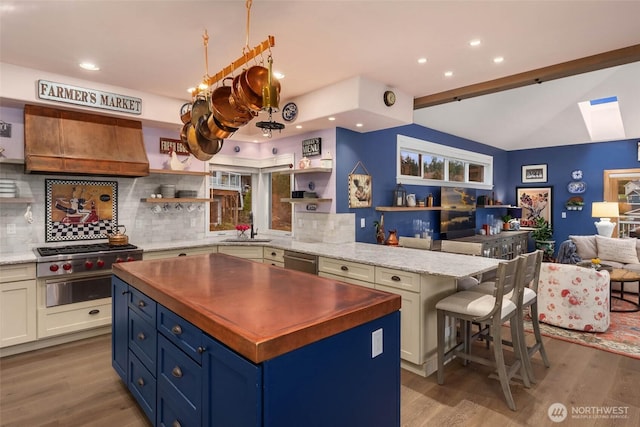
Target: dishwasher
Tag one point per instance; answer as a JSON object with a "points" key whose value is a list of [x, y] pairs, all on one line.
{"points": [[301, 262]]}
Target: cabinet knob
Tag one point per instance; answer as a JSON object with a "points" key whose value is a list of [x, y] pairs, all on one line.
{"points": [[395, 278], [176, 372], [125, 292], [344, 268], [93, 312], [273, 254], [182, 254], [177, 330], [141, 336], [200, 349], [142, 304], [140, 382]]}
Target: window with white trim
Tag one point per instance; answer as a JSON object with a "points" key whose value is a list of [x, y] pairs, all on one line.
{"points": [[430, 164]]}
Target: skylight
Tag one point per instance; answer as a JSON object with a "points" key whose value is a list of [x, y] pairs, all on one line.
{"points": [[602, 118]]}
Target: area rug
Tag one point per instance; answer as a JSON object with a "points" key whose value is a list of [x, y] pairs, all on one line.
{"points": [[622, 337]]}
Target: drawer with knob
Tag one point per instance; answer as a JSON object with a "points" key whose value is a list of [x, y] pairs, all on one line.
{"points": [[346, 269], [183, 334], [143, 305], [142, 385], [142, 339]]}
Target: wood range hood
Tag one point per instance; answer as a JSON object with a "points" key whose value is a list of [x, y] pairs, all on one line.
{"points": [[74, 143]]}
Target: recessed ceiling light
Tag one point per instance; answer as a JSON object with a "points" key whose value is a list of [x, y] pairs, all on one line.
{"points": [[331, 119], [422, 60], [475, 42], [203, 86], [89, 66], [448, 73], [278, 75], [498, 59], [298, 126], [191, 90], [359, 125]]}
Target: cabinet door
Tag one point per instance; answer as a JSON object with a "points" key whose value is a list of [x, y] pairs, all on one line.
{"points": [[233, 388], [409, 323], [17, 312], [119, 316]]}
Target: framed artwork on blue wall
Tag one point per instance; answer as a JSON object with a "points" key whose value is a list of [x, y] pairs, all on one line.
{"points": [[534, 173], [535, 202]]}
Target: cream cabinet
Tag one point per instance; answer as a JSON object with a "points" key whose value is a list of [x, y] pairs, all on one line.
{"points": [[346, 271], [170, 253], [253, 253], [17, 304], [273, 256]]}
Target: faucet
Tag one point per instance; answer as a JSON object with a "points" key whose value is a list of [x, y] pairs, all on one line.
{"points": [[253, 233]]}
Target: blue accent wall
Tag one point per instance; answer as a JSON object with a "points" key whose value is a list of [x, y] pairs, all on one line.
{"points": [[377, 153]]}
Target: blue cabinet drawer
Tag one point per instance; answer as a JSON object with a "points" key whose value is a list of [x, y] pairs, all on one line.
{"points": [[179, 372], [143, 305], [180, 332], [142, 386], [143, 340], [173, 412]]}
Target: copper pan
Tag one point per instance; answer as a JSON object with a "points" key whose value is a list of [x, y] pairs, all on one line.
{"points": [[193, 146], [185, 113], [228, 115], [208, 142], [215, 129], [199, 109], [251, 85]]}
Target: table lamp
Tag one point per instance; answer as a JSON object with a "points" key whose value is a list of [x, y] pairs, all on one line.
{"points": [[605, 211]]}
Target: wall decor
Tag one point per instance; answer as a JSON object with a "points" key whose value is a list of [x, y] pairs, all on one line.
{"points": [[311, 147], [80, 210], [535, 202], [360, 187], [167, 144], [534, 173]]}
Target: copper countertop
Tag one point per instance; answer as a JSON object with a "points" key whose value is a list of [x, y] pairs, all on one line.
{"points": [[258, 310]]}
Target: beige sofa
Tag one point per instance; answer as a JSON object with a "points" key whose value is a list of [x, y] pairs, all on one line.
{"points": [[618, 253]]}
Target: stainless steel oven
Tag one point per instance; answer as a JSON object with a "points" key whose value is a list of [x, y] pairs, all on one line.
{"points": [[70, 291]]}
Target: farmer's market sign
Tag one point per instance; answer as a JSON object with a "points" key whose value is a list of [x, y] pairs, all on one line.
{"points": [[88, 97]]}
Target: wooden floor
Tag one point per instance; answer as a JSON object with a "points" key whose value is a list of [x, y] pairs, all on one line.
{"points": [[74, 385]]}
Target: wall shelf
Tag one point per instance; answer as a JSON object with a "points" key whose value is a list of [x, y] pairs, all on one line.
{"points": [[305, 200], [494, 206], [176, 200], [407, 208], [307, 170], [172, 172], [16, 200]]}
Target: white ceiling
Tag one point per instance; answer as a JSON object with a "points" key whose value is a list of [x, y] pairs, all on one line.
{"points": [[156, 47]]}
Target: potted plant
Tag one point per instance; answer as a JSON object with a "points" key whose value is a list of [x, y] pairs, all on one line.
{"points": [[506, 222], [575, 204], [542, 235]]}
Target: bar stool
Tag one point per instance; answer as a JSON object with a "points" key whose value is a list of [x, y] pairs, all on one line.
{"points": [[529, 301], [494, 310]]}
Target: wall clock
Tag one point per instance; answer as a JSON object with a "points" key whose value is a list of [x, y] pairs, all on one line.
{"points": [[389, 98]]}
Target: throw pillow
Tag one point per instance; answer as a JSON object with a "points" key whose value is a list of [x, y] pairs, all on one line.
{"points": [[586, 246], [619, 250]]}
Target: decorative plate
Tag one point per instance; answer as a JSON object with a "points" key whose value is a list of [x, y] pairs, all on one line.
{"points": [[577, 187], [289, 112], [576, 174]]}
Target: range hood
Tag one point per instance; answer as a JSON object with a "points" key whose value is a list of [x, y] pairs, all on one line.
{"points": [[74, 143]]}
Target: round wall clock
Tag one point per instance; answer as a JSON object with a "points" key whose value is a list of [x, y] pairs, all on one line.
{"points": [[289, 112], [389, 98]]}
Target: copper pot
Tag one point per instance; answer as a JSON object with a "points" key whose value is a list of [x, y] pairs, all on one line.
{"points": [[232, 116], [199, 109], [213, 129], [119, 239], [193, 146], [208, 142], [185, 113]]}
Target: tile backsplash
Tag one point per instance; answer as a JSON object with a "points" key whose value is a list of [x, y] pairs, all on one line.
{"points": [[324, 227], [142, 224]]}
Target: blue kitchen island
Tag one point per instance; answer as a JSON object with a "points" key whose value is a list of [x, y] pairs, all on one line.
{"points": [[215, 340]]}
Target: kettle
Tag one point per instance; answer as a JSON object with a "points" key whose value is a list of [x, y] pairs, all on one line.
{"points": [[392, 240], [411, 200]]}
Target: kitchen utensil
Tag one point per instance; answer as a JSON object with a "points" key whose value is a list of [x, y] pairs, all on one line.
{"points": [[193, 146], [199, 109], [212, 129], [119, 238], [228, 114]]}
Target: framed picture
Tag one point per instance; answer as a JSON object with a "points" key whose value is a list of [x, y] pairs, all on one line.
{"points": [[80, 210], [534, 173], [359, 190], [535, 202]]}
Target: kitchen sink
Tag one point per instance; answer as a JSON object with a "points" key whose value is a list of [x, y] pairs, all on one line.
{"points": [[236, 240]]}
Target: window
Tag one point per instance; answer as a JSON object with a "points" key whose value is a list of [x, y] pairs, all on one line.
{"points": [[240, 187], [441, 165]]}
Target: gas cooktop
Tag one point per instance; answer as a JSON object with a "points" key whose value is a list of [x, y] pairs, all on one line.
{"points": [[83, 249]]}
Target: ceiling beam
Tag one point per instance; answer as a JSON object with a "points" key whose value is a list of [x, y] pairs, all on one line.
{"points": [[612, 58]]}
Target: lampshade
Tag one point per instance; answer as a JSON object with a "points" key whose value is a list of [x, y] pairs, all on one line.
{"points": [[604, 210]]}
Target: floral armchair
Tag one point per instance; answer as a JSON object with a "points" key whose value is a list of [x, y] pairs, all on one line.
{"points": [[574, 297]]}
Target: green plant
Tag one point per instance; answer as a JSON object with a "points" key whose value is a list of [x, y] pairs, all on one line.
{"points": [[506, 218], [542, 230]]}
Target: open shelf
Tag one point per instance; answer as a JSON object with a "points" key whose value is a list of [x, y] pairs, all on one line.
{"points": [[176, 200], [407, 208], [16, 200], [172, 172], [494, 206], [305, 200], [307, 170]]}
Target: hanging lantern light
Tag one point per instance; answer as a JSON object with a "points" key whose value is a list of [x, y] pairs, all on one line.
{"points": [[399, 195]]}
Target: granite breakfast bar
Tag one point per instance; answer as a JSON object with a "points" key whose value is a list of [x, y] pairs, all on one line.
{"points": [[216, 340]]}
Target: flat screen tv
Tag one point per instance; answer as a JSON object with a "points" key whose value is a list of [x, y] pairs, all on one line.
{"points": [[458, 214]]}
